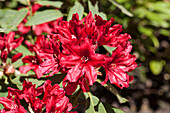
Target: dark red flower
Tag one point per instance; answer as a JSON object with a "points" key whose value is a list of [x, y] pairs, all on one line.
{"points": [[55, 98], [9, 42], [34, 63], [11, 106], [82, 60], [48, 50], [4, 56], [70, 87], [119, 64]]}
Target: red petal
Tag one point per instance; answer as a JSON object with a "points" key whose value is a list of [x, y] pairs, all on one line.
{"points": [[16, 57]]}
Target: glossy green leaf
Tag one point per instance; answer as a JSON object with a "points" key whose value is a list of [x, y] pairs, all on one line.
{"points": [[77, 8], [36, 81], [5, 14], [124, 10], [56, 4], [44, 16], [6, 29], [20, 49], [24, 50], [94, 101], [109, 49], [95, 10], [15, 19], [156, 67]]}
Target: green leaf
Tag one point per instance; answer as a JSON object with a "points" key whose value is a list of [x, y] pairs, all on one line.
{"points": [[145, 30], [156, 66], [57, 4], [6, 29], [24, 2], [149, 33], [36, 81], [109, 49], [101, 108], [94, 101], [124, 10], [164, 32], [95, 10], [15, 19], [111, 109], [113, 90], [5, 14], [20, 49], [24, 50], [160, 6], [77, 8], [155, 41], [44, 16]]}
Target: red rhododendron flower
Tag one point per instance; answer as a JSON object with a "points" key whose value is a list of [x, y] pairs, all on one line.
{"points": [[54, 99], [72, 50], [119, 64], [49, 51], [34, 62], [4, 56], [9, 42], [11, 106], [82, 60]]}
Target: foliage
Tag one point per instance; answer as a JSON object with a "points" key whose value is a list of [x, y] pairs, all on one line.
{"points": [[146, 21]]}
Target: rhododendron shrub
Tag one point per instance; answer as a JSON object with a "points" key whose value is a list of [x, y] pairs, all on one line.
{"points": [[54, 99], [69, 50]]}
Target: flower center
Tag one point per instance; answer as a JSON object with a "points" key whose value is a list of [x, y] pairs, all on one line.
{"points": [[73, 37], [34, 61], [84, 59], [113, 65]]}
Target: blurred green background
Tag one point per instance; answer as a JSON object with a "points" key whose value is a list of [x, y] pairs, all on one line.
{"points": [[148, 23]]}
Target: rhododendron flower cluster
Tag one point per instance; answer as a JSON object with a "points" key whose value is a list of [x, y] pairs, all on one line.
{"points": [[71, 49], [7, 44], [54, 99]]}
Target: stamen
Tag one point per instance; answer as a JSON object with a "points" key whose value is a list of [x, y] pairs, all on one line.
{"points": [[113, 65], [73, 37], [84, 59]]}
